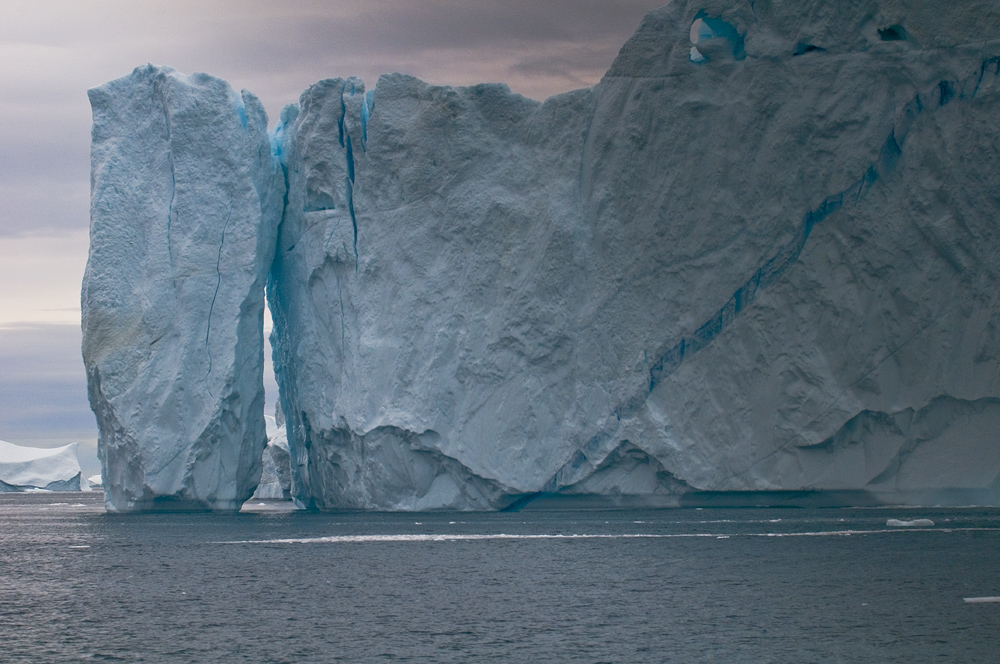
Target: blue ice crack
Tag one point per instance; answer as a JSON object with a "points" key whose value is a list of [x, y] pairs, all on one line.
{"points": [[786, 256], [218, 284]]}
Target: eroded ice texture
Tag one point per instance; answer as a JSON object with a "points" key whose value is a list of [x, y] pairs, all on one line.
{"points": [[185, 198], [773, 268]]}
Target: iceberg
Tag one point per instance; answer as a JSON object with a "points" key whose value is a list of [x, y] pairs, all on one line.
{"points": [[25, 468], [915, 523], [767, 268], [758, 257], [184, 191], [276, 473]]}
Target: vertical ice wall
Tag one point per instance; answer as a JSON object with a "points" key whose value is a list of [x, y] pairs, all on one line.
{"points": [[420, 296], [758, 255], [185, 197]]}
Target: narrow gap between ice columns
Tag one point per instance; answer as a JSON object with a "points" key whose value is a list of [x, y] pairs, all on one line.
{"points": [[270, 384]]}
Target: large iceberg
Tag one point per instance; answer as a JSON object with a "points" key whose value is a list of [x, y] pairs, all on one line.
{"points": [[25, 468], [759, 256], [184, 193]]}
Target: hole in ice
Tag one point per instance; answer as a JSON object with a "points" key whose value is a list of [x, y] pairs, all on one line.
{"points": [[947, 92], [318, 200], [715, 35], [700, 31], [802, 48], [892, 33]]}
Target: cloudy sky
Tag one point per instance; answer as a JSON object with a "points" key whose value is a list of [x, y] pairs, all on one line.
{"points": [[52, 51]]}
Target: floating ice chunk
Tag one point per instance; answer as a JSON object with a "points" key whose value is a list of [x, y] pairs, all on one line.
{"points": [[981, 600], [696, 55], [32, 468], [498, 318], [916, 523]]}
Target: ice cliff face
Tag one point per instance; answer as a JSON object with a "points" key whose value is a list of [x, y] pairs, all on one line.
{"points": [[184, 194], [759, 255]]}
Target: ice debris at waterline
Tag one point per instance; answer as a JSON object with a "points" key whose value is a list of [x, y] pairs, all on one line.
{"points": [[759, 256], [915, 523], [26, 468]]}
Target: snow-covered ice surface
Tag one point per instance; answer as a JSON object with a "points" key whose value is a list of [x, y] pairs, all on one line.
{"points": [[25, 468], [185, 191], [770, 267]]}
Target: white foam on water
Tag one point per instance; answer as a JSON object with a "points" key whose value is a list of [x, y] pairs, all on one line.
{"points": [[441, 537], [898, 523]]}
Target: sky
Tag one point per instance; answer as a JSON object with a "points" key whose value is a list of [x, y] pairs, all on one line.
{"points": [[52, 51]]}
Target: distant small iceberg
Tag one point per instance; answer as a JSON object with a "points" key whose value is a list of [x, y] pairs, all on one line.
{"points": [[95, 481], [34, 469], [916, 523], [276, 474]]}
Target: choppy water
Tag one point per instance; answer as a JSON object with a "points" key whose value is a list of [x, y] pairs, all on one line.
{"points": [[713, 585]]}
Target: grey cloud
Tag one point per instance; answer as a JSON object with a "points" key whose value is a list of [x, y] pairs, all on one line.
{"points": [[43, 205], [568, 64], [400, 32], [273, 49], [43, 387]]}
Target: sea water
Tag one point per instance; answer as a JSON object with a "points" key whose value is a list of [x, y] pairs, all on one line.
{"points": [[683, 585]]}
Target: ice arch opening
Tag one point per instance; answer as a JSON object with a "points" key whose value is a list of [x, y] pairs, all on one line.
{"points": [[718, 39], [892, 33]]}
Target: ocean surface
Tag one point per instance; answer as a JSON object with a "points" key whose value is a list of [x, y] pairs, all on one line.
{"points": [[683, 585]]}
